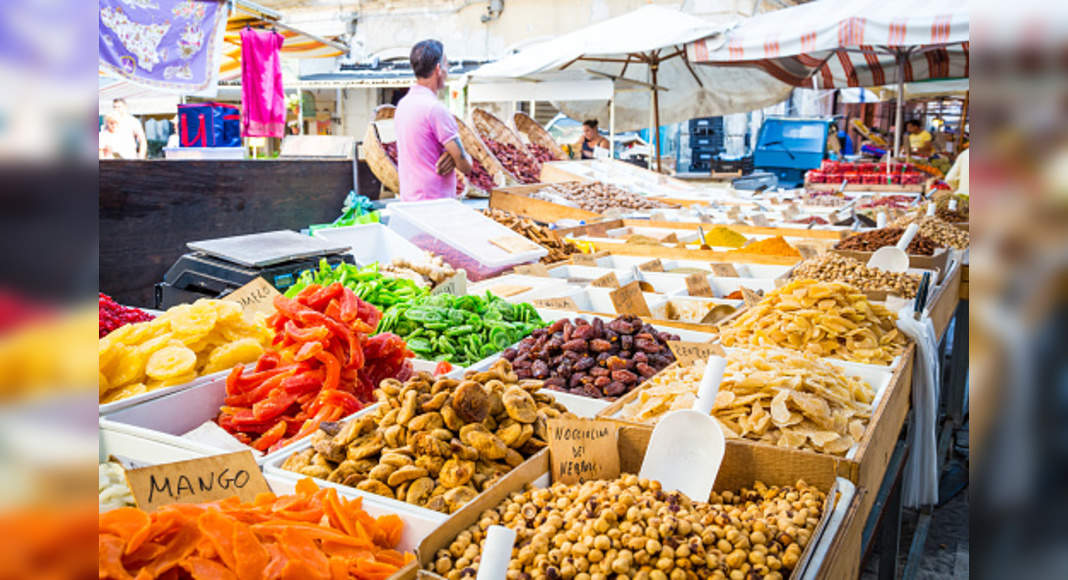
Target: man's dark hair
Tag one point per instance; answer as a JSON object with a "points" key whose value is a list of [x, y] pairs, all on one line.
{"points": [[425, 56], [591, 123], [914, 123]]}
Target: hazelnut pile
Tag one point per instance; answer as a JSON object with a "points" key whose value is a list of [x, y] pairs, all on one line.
{"points": [[597, 197], [629, 528], [943, 234], [435, 443], [832, 267]]}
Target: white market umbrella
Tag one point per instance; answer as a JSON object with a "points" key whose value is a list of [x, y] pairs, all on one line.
{"points": [[644, 48]]}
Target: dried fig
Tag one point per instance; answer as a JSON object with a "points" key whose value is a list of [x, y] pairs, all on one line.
{"points": [[426, 422], [376, 487], [368, 449], [426, 444], [396, 459], [436, 402], [432, 464], [406, 473], [419, 490], [513, 458], [519, 405], [470, 402], [489, 446], [510, 431], [381, 472], [456, 472], [408, 408], [452, 420], [437, 503], [456, 497]]}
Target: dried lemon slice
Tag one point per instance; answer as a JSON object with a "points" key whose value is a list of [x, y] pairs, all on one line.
{"points": [[170, 361]]}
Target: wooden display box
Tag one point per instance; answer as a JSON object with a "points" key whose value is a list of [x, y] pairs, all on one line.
{"points": [[665, 252], [938, 261], [516, 200], [868, 465], [742, 466], [599, 228], [944, 304], [880, 187]]}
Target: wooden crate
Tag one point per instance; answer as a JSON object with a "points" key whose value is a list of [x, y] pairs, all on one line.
{"points": [[944, 304], [600, 228], [665, 252], [964, 282], [516, 200], [742, 466]]}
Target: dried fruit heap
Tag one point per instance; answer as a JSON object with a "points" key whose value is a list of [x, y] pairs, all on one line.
{"points": [[540, 152], [310, 534], [325, 368], [114, 315], [593, 359], [480, 178], [517, 161], [435, 443]]}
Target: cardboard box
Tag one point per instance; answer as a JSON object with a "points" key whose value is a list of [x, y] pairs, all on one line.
{"points": [[742, 466]]}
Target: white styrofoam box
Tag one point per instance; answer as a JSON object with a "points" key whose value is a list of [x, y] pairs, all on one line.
{"points": [[540, 287], [416, 525], [167, 419], [581, 406], [595, 299], [590, 273], [659, 309], [666, 283], [656, 233], [371, 243], [460, 235], [108, 408]]}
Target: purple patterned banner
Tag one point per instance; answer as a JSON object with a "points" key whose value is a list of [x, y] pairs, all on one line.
{"points": [[170, 45]]}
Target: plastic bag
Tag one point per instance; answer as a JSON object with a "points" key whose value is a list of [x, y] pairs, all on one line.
{"points": [[921, 471]]}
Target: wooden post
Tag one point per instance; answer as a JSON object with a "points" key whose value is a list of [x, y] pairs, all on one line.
{"points": [[963, 120]]}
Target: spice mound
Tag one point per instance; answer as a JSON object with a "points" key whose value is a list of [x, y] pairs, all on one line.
{"points": [[831, 267], [875, 239], [435, 443], [593, 358], [631, 528], [830, 319], [722, 236], [775, 246], [773, 395], [313, 533]]}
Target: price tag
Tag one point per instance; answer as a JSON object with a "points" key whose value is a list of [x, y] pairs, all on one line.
{"points": [[562, 303], [697, 285], [953, 204], [760, 220], [514, 244], [609, 280], [255, 297], [688, 352], [670, 239], [197, 480], [455, 285], [751, 298], [733, 213], [535, 269], [629, 300], [587, 259], [791, 212], [583, 450], [807, 250], [652, 266], [725, 270]]}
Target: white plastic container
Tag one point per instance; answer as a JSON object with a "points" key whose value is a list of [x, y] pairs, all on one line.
{"points": [[371, 243], [583, 275], [460, 235], [539, 287], [138, 399]]}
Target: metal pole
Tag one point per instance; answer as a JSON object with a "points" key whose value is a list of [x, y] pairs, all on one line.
{"points": [[612, 125], [900, 101], [656, 113], [963, 120], [300, 112]]}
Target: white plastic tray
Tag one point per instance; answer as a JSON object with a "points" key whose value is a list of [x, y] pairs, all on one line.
{"points": [[371, 243], [540, 287], [113, 406], [590, 273]]}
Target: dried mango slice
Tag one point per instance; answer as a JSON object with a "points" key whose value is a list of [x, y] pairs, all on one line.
{"points": [[170, 361]]}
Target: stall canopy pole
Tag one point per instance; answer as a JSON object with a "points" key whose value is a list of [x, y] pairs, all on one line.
{"points": [[612, 125], [963, 121], [900, 101], [653, 65]]}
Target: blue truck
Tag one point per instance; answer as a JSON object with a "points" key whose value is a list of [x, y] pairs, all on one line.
{"points": [[789, 146]]}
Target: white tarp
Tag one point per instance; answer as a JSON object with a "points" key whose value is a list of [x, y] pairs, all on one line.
{"points": [[691, 91]]}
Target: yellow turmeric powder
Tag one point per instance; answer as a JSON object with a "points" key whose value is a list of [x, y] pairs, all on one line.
{"points": [[776, 246], [724, 237]]}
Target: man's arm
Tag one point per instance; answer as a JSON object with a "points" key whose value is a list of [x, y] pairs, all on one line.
{"points": [[139, 137], [454, 157]]}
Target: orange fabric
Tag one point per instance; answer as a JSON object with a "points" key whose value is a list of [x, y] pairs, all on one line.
{"points": [[313, 534]]}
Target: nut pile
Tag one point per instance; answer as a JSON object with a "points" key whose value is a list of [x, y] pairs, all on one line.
{"points": [[597, 196], [631, 528], [435, 443], [943, 234], [773, 395], [430, 271], [822, 318], [592, 359], [875, 239], [831, 267], [517, 161], [558, 249]]}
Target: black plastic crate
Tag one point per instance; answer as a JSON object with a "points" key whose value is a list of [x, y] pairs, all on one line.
{"points": [[745, 165], [713, 140], [701, 167], [706, 124]]}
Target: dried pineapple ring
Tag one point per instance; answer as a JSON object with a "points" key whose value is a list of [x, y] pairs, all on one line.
{"points": [[103, 383], [196, 321], [128, 369], [228, 311], [171, 381], [227, 356], [171, 361], [125, 392]]}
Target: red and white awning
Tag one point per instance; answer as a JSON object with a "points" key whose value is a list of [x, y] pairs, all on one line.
{"points": [[848, 43]]}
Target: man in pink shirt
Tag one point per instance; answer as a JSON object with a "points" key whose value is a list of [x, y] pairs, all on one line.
{"points": [[428, 140]]}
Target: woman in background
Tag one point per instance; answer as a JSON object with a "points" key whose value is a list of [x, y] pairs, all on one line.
{"points": [[590, 139]]}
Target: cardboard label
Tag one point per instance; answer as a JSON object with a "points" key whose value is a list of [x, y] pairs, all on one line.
{"points": [[561, 303], [750, 297], [255, 297], [652, 266], [609, 280], [197, 480], [725, 270], [697, 285], [733, 212], [514, 244], [535, 269], [807, 250], [583, 450], [629, 300], [670, 239], [760, 220], [791, 212], [455, 285], [587, 259], [688, 352]]}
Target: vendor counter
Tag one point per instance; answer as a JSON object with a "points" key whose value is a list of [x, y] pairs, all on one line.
{"points": [[150, 209]]}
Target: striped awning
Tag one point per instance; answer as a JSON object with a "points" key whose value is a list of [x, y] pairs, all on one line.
{"points": [[848, 43]]}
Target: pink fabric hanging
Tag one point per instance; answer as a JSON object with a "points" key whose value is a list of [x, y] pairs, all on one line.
{"points": [[263, 99]]}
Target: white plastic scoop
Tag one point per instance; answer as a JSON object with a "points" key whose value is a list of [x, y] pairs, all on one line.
{"points": [[686, 447], [893, 258], [496, 553], [931, 206], [880, 220]]}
